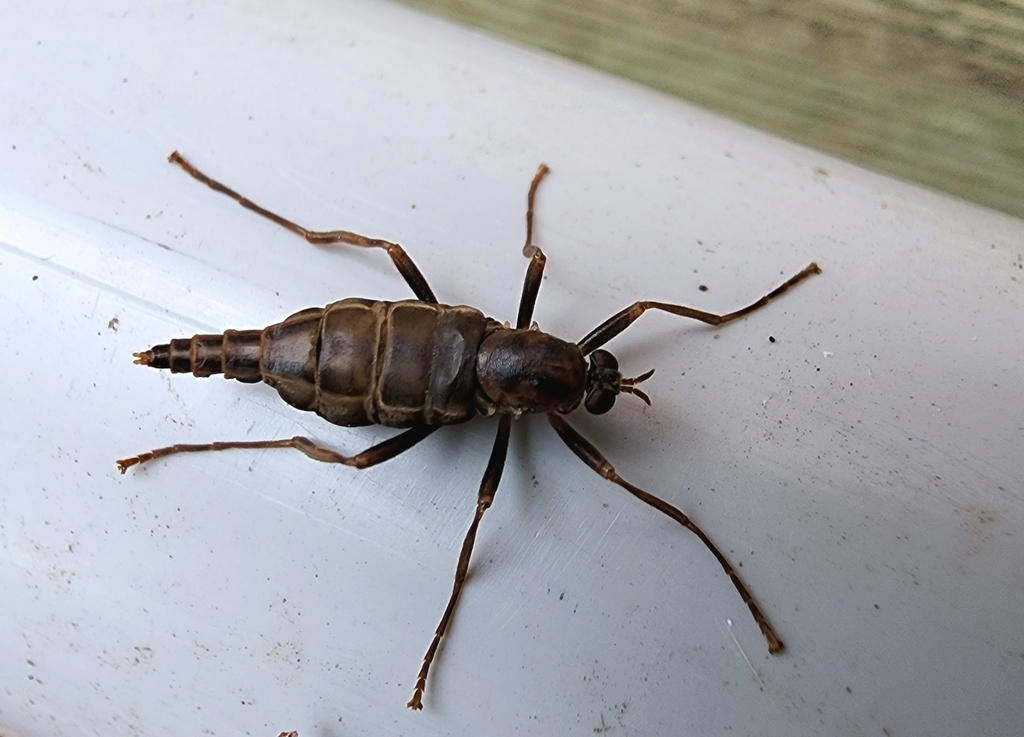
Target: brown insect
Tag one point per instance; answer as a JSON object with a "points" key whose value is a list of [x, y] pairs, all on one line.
{"points": [[419, 365]]}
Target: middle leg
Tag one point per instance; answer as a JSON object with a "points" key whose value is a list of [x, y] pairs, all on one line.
{"points": [[535, 271], [488, 487]]}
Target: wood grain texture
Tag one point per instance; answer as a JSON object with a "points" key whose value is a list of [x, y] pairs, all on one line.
{"points": [[930, 91]]}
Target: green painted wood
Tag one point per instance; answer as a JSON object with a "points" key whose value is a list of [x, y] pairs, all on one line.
{"points": [[929, 90]]}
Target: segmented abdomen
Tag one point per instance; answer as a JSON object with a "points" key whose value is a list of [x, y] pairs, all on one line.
{"points": [[360, 362]]}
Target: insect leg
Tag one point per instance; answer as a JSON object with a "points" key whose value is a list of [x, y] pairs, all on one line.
{"points": [[412, 275], [371, 457], [535, 271], [622, 320], [593, 458], [488, 487]]}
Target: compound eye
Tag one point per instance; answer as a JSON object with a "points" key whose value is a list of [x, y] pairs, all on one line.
{"points": [[600, 401], [602, 359]]}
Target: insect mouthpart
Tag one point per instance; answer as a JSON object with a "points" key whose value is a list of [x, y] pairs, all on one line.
{"points": [[629, 386], [604, 383]]}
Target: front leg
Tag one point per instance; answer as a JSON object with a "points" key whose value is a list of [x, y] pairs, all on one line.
{"points": [[593, 458], [622, 320]]}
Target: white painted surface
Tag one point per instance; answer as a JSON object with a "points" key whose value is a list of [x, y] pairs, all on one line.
{"points": [[865, 468]]}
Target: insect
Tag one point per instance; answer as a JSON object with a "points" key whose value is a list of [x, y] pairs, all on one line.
{"points": [[419, 365]]}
